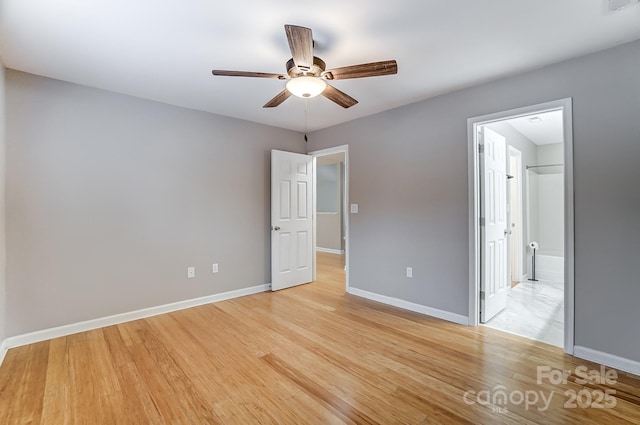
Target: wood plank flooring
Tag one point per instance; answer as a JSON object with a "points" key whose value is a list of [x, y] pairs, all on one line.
{"points": [[306, 355]]}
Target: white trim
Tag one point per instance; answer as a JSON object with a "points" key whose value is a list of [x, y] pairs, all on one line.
{"points": [[569, 230], [622, 363], [406, 305], [345, 205], [3, 350], [314, 217], [474, 231], [330, 251], [46, 334], [474, 252]]}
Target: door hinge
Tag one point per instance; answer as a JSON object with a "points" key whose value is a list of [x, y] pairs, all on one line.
{"points": [[480, 148], [481, 221], [482, 295]]}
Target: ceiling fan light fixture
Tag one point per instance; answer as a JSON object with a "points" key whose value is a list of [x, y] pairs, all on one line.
{"points": [[306, 86], [307, 73]]}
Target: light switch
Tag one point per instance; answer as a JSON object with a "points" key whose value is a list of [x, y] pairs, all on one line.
{"points": [[354, 208]]}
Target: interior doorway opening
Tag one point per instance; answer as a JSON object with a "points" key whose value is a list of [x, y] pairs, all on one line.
{"points": [[331, 218], [521, 169]]}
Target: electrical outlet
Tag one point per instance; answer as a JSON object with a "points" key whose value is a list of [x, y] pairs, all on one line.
{"points": [[409, 271], [191, 272], [214, 268]]}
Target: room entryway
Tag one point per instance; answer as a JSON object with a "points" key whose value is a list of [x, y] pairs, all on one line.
{"points": [[331, 219], [522, 278]]}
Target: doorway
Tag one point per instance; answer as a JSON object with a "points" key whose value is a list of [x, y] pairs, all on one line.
{"points": [[508, 154], [331, 219]]}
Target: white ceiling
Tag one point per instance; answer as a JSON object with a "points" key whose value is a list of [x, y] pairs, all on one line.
{"points": [[165, 50], [541, 129]]}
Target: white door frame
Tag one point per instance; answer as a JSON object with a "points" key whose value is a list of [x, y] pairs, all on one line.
{"points": [[345, 202], [516, 239], [474, 201]]}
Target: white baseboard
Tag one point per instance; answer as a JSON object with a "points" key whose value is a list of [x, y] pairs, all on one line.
{"points": [[624, 364], [418, 308], [3, 350], [329, 250], [46, 334]]}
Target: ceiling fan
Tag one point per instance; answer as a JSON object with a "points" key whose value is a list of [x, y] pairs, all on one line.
{"points": [[307, 74]]}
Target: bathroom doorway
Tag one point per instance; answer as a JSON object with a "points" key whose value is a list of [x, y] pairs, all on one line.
{"points": [[521, 175]]}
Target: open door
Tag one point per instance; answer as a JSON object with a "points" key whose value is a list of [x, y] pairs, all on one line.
{"points": [[291, 219], [494, 225]]}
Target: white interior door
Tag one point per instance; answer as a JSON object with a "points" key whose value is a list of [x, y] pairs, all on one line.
{"points": [[493, 205], [291, 219]]}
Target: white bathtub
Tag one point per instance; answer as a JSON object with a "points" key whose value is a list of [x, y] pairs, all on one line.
{"points": [[549, 267]]}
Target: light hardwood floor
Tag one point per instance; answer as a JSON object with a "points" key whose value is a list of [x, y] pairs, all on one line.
{"points": [[306, 355]]}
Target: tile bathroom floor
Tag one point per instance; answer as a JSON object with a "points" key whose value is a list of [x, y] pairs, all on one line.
{"points": [[534, 310]]}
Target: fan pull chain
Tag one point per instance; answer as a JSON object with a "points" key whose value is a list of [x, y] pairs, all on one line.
{"points": [[305, 121]]}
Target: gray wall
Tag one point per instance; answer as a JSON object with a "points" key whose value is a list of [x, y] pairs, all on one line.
{"points": [[408, 172], [328, 188], [328, 234], [329, 219], [110, 198], [3, 281]]}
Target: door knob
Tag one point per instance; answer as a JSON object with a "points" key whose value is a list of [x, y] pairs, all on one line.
{"points": [[276, 228]]}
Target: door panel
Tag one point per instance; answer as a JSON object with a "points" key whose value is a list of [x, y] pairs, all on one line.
{"points": [[302, 200], [493, 205], [285, 200], [291, 219]]}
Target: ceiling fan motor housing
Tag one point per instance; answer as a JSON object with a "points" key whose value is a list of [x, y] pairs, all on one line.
{"points": [[316, 70]]}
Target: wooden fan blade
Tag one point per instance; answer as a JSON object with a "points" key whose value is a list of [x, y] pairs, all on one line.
{"points": [[248, 74], [339, 97], [280, 97], [373, 69], [301, 45]]}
